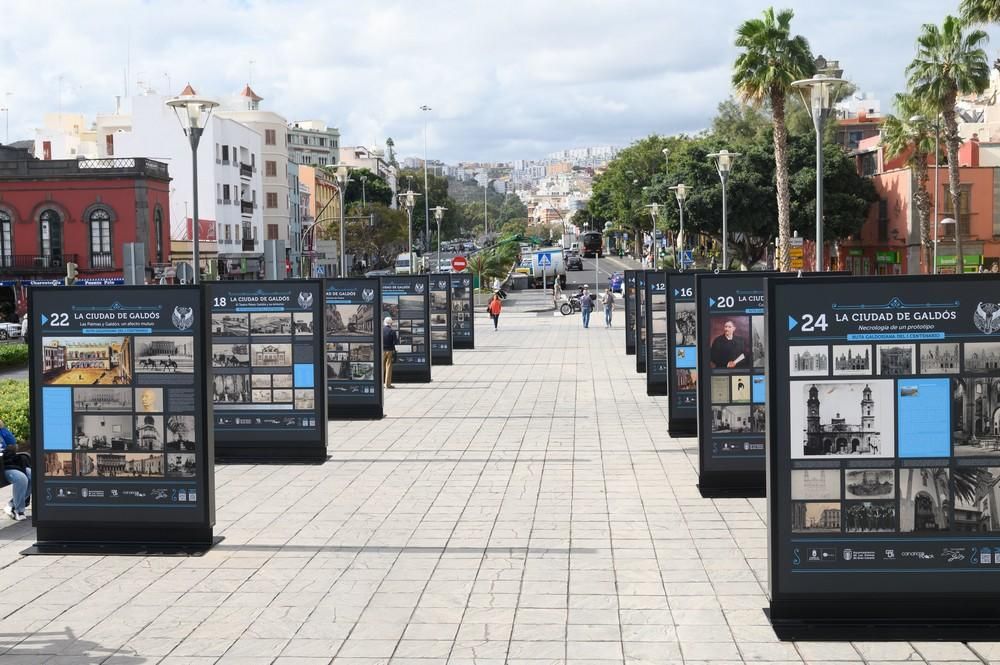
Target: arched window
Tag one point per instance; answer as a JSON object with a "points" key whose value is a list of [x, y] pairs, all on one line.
{"points": [[158, 231], [6, 241], [100, 239], [50, 233]]}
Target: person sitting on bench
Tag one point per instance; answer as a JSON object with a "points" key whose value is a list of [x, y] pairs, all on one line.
{"points": [[16, 472]]}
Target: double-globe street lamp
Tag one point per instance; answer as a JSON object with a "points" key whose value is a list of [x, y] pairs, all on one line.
{"points": [[438, 216], [724, 164], [654, 212], [680, 191], [822, 90], [343, 177], [193, 113], [408, 199]]}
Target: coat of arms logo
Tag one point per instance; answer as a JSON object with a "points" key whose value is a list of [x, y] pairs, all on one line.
{"points": [[419, 288], [183, 317], [987, 317], [368, 295], [305, 299]]}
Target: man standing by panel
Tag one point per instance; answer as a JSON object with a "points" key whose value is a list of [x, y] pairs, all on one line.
{"points": [[389, 338]]}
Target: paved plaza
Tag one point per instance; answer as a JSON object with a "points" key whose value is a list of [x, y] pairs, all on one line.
{"points": [[525, 507]]}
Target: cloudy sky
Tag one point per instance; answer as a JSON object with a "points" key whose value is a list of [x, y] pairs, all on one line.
{"points": [[505, 80]]}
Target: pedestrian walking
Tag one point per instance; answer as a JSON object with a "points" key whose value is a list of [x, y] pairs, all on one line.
{"points": [[494, 307], [389, 339], [609, 306], [556, 292], [586, 306]]}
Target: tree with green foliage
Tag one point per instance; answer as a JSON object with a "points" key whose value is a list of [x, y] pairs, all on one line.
{"points": [[771, 60], [909, 132], [949, 63], [374, 189]]}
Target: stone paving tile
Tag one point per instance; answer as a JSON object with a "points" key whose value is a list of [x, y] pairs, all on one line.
{"points": [[525, 507]]}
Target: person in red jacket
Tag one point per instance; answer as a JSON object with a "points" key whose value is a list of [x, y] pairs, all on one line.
{"points": [[494, 308]]}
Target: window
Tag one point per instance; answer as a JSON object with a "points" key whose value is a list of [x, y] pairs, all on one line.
{"points": [[322, 141], [883, 220], [109, 144], [100, 239], [272, 200], [229, 233], [225, 154], [964, 217], [271, 169], [225, 193], [238, 234], [158, 230], [269, 137], [50, 232], [322, 161], [6, 241], [272, 231]]}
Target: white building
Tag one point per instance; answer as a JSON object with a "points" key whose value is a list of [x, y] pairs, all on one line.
{"points": [[312, 143], [360, 157]]}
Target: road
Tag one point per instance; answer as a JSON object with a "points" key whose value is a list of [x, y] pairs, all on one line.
{"points": [[604, 267]]}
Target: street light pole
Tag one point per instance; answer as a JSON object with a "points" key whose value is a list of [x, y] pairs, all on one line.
{"points": [[654, 211], [427, 194], [438, 216], [680, 191], [821, 89], [193, 113], [724, 164], [937, 186], [408, 199], [364, 201], [342, 179]]}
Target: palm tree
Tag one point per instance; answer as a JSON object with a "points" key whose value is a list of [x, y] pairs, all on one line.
{"points": [[910, 132], [978, 12], [771, 60], [948, 64]]}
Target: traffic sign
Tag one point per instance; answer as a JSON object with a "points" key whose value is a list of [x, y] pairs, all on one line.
{"points": [[795, 253], [545, 260], [458, 263], [687, 257]]}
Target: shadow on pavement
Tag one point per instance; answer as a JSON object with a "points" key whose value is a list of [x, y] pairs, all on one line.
{"points": [[65, 644]]}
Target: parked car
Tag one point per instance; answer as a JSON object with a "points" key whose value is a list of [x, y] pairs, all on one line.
{"points": [[10, 330], [384, 272], [574, 263]]}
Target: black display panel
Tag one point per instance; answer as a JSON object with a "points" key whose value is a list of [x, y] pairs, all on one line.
{"points": [[463, 307], [406, 299], [656, 332], [353, 353], [122, 442], [731, 385], [440, 313], [884, 454], [682, 354], [629, 288], [640, 321], [268, 382]]}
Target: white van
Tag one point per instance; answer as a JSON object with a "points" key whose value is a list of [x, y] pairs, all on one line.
{"points": [[403, 264]]}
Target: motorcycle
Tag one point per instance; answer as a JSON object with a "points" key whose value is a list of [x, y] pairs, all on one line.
{"points": [[570, 305]]}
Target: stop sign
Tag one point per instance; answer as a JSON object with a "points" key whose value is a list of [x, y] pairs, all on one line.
{"points": [[459, 263]]}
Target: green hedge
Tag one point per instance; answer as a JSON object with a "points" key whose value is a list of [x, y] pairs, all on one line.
{"points": [[13, 355], [14, 407]]}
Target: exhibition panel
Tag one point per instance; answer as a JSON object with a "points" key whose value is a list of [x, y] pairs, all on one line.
{"points": [[123, 443], [884, 455], [682, 354], [440, 317], [353, 351], [406, 298], [656, 332], [463, 307], [629, 292], [268, 383], [640, 321]]}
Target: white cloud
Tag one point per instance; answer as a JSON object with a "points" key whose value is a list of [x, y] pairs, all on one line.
{"points": [[505, 80]]}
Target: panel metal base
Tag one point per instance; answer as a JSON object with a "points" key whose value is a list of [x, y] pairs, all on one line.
{"points": [[130, 541], [441, 361], [355, 412], [683, 429], [653, 391], [463, 345], [412, 378], [629, 352], [277, 453], [720, 484]]}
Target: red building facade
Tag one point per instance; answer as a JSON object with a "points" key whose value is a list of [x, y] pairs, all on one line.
{"points": [[56, 212]]}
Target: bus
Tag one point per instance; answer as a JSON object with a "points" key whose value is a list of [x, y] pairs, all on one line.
{"points": [[592, 243]]}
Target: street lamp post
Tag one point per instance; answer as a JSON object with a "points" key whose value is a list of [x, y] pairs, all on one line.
{"points": [[680, 191], [438, 216], [822, 96], [937, 185], [724, 164], [193, 113], [947, 221], [427, 194], [409, 199], [342, 180], [654, 212], [364, 201]]}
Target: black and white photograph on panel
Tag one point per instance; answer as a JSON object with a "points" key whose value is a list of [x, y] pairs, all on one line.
{"points": [[739, 389], [757, 347], [842, 419], [925, 498], [149, 400], [659, 339], [302, 322], [975, 416], [338, 370], [731, 418], [261, 396], [228, 323], [170, 355], [148, 433], [869, 516], [181, 465], [103, 432], [982, 357], [816, 517], [270, 323], [356, 320], [869, 484], [271, 355], [283, 396], [720, 389], [180, 434], [939, 358], [976, 491], [231, 388], [102, 399], [808, 361], [439, 300], [685, 324], [305, 400], [758, 418], [896, 359], [282, 380], [260, 381], [411, 307], [362, 352], [231, 355], [815, 484], [851, 359]]}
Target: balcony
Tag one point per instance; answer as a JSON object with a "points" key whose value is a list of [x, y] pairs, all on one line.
{"points": [[246, 171], [246, 207], [248, 245], [90, 169], [102, 260], [36, 265]]}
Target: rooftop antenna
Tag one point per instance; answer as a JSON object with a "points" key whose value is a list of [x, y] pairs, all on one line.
{"points": [[250, 73]]}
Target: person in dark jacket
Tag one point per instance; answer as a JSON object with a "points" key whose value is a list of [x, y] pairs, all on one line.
{"points": [[16, 472], [389, 339]]}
